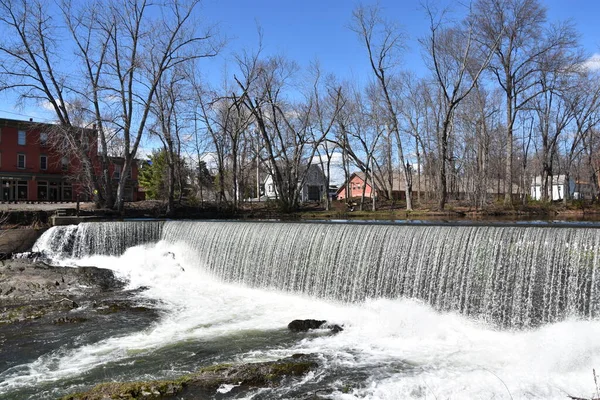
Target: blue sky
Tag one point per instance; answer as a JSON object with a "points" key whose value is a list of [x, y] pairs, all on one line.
{"points": [[318, 30], [311, 30]]}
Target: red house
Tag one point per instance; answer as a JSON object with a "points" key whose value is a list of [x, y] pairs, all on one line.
{"points": [[398, 186], [32, 170], [356, 183]]}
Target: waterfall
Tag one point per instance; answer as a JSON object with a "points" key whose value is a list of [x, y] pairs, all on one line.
{"points": [[105, 238], [511, 275]]}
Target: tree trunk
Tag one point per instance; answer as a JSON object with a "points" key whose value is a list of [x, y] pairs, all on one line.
{"points": [[443, 156], [374, 204], [509, 148]]}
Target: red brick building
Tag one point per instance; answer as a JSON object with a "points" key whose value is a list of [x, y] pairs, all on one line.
{"points": [[31, 170]]}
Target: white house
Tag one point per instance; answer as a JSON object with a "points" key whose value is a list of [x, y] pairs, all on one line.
{"points": [[558, 188], [313, 187]]}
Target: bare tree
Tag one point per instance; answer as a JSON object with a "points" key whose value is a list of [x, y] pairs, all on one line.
{"points": [[457, 63], [359, 132], [584, 100], [29, 54], [521, 27], [284, 125], [91, 35], [124, 50], [141, 50], [326, 109], [168, 125], [414, 110], [384, 44], [553, 117]]}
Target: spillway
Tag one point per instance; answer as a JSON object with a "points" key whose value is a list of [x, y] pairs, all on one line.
{"points": [[511, 275]]}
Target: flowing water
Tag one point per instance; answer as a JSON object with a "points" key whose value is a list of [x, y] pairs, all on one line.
{"points": [[446, 312]]}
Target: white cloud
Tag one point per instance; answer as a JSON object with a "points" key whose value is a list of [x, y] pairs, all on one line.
{"points": [[592, 63], [336, 169], [211, 161], [143, 153]]}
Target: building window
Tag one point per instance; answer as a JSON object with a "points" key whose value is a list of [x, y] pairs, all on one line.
{"points": [[22, 190], [64, 163], [21, 161], [42, 188], [22, 138], [43, 162], [117, 174], [67, 192], [53, 191], [0, 135], [43, 138]]}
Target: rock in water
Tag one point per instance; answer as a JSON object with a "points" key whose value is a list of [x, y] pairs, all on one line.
{"points": [[304, 325], [207, 383]]}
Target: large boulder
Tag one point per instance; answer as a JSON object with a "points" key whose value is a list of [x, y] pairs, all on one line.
{"points": [[304, 325], [30, 289], [17, 240]]}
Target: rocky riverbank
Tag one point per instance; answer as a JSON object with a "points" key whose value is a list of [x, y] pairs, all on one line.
{"points": [[44, 307], [50, 305], [32, 290]]}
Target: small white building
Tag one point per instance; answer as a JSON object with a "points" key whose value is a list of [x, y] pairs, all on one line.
{"points": [[556, 188], [313, 187]]}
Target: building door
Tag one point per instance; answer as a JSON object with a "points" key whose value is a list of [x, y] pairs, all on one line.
{"points": [[9, 190], [22, 190], [314, 193], [53, 192]]}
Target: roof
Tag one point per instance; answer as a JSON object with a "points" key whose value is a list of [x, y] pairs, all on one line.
{"points": [[311, 167], [31, 124], [494, 186], [556, 180], [398, 183]]}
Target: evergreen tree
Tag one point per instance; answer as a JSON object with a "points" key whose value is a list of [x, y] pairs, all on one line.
{"points": [[152, 176]]}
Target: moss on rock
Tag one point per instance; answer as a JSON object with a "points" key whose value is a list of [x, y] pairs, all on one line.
{"points": [[206, 380], [130, 390]]}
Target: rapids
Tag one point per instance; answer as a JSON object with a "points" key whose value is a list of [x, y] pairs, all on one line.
{"points": [[429, 311]]}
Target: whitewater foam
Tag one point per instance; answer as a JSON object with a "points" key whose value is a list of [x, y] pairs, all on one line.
{"points": [[389, 349], [510, 275]]}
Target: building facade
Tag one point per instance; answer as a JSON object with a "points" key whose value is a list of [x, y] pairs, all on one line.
{"points": [[559, 185], [32, 170], [313, 187], [356, 182], [29, 169]]}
